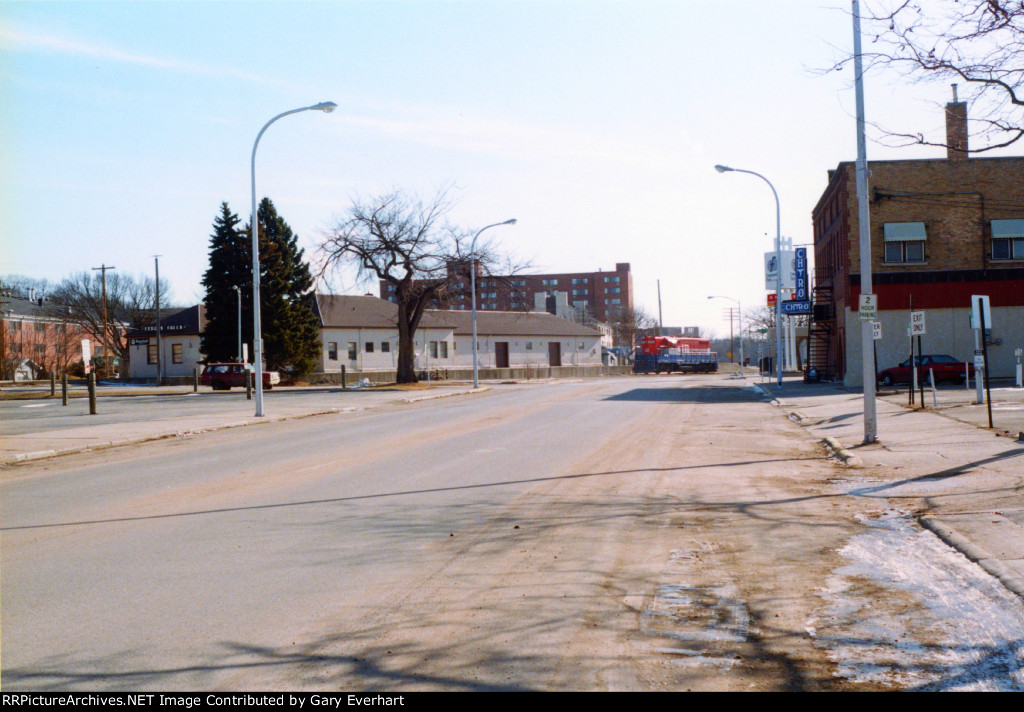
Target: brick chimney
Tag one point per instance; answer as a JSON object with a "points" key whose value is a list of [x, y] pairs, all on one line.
{"points": [[956, 129]]}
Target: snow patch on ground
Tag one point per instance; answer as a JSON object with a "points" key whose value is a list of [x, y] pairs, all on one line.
{"points": [[703, 624], [909, 611]]}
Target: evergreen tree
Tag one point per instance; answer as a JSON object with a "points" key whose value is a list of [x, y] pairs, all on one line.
{"points": [[230, 266], [291, 329]]}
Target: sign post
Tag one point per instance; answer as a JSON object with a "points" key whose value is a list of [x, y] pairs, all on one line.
{"points": [[982, 304], [980, 312]]}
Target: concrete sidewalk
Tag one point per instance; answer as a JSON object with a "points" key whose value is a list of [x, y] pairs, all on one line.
{"points": [[116, 427], [962, 481]]}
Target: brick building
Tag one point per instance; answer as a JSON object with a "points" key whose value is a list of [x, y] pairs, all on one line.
{"points": [[594, 295], [35, 341], [941, 230]]}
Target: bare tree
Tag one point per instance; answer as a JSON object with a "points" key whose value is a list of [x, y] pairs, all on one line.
{"points": [[630, 324], [409, 245], [977, 42], [130, 302]]}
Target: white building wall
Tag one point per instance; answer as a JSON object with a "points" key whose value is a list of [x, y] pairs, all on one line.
{"points": [[529, 350], [138, 366], [947, 331], [378, 359]]}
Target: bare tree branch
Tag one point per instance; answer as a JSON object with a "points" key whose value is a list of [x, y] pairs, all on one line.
{"points": [[977, 42]]}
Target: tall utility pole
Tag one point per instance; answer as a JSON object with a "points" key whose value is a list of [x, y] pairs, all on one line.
{"points": [[867, 339], [661, 324], [103, 337], [159, 350]]}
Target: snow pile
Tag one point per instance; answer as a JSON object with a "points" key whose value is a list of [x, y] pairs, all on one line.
{"points": [[911, 612]]}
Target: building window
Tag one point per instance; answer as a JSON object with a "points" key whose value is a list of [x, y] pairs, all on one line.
{"points": [[352, 347], [529, 346], [40, 326], [332, 350], [549, 282], [611, 279], [15, 326], [904, 242], [40, 349], [385, 347], [442, 349], [580, 280], [433, 349], [151, 354], [177, 353], [1008, 239], [611, 290], [369, 347]]}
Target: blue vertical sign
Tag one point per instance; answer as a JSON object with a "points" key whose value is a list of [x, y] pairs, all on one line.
{"points": [[801, 302], [800, 267]]}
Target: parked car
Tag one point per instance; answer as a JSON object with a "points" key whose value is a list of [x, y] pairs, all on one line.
{"points": [[222, 376], [945, 368]]}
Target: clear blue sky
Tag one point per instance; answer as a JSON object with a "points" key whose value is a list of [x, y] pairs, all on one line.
{"points": [[123, 125]]}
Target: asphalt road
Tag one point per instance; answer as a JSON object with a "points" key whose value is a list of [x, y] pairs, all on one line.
{"points": [[623, 534]]}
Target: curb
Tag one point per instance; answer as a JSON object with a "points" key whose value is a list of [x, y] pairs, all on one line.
{"points": [[1007, 576], [434, 396], [105, 445], [844, 455]]}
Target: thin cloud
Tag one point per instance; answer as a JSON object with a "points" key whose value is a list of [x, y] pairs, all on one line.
{"points": [[21, 40]]}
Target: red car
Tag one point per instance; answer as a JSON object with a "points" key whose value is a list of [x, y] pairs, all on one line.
{"points": [[222, 376], [945, 368]]}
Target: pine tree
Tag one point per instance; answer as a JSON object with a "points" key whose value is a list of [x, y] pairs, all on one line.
{"points": [[291, 329], [230, 266]]}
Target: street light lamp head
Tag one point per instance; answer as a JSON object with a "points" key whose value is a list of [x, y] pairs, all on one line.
{"points": [[325, 106], [510, 222], [722, 169]]}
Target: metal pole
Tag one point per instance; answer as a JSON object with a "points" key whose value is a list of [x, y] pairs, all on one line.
{"points": [[864, 220], [238, 293], [984, 352], [257, 329], [159, 347], [472, 292]]}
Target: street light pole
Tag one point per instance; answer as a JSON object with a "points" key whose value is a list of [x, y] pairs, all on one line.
{"points": [[238, 291], [257, 332], [778, 261], [739, 315], [472, 290]]}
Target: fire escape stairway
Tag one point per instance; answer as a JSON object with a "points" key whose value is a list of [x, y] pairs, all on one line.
{"points": [[821, 335]]}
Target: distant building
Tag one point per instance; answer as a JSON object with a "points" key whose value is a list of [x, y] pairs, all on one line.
{"points": [[593, 295], [361, 333], [36, 341], [179, 344], [941, 231]]}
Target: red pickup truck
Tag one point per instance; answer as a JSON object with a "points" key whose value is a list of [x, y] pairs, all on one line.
{"points": [[222, 376]]}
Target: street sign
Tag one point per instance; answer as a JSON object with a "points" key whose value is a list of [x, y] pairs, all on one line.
{"points": [[772, 299], [979, 362], [985, 306], [771, 270], [917, 323], [876, 330], [796, 307], [867, 307]]}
